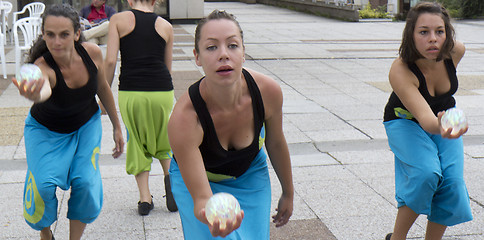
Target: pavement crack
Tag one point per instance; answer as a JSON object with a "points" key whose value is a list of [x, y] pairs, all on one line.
{"points": [[476, 202], [333, 157]]}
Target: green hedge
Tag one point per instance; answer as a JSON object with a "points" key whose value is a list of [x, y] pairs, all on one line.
{"points": [[369, 12]]}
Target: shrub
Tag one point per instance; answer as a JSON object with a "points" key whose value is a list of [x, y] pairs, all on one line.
{"points": [[369, 12]]}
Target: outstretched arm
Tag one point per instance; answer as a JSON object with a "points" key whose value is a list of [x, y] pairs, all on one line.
{"points": [[405, 85], [185, 134]]}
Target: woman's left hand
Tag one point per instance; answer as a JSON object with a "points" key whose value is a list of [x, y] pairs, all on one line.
{"points": [[284, 211], [119, 141]]}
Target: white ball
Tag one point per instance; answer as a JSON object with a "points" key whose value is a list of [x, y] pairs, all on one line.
{"points": [[222, 206], [454, 118], [28, 72]]}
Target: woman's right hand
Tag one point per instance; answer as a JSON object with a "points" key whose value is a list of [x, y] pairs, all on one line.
{"points": [[30, 90], [447, 133], [215, 227]]}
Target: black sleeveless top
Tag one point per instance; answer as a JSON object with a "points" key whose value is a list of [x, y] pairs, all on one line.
{"points": [[395, 109], [143, 57], [68, 109], [216, 159]]}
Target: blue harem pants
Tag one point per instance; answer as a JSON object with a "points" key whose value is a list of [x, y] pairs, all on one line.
{"points": [[429, 173], [64, 160], [252, 190]]}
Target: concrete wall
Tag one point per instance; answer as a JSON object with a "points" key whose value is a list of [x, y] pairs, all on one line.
{"points": [[330, 10], [392, 7], [186, 9], [376, 3]]}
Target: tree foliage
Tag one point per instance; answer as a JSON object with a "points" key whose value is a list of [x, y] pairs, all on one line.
{"points": [[472, 8], [464, 8]]}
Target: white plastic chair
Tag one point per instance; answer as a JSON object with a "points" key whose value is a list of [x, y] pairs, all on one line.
{"points": [[6, 8], [35, 9], [30, 27], [2, 55]]}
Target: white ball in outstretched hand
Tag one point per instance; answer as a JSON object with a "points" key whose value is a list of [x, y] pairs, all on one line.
{"points": [[454, 118], [222, 206], [28, 72]]}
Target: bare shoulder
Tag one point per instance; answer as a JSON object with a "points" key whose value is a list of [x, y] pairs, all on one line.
{"points": [[164, 28], [401, 77], [121, 16], [184, 127], [271, 93], [46, 70], [398, 65], [92, 48], [264, 82], [183, 113], [123, 22], [458, 52], [399, 70], [163, 22], [43, 65], [40, 62]]}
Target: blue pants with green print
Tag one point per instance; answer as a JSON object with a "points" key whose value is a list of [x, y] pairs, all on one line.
{"points": [[65, 161]]}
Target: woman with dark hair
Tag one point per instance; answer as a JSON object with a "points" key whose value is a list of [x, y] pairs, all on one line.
{"points": [[146, 94], [217, 132], [429, 160], [63, 129]]}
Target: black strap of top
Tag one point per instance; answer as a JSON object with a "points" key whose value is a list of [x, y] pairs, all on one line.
{"points": [[257, 102], [90, 65], [204, 115], [200, 106], [449, 65], [216, 159]]}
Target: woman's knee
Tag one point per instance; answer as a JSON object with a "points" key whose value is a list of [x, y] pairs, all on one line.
{"points": [[86, 201], [87, 188], [38, 193], [427, 179], [40, 204], [451, 204], [453, 190]]}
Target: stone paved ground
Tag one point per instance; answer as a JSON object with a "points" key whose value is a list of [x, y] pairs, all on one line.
{"points": [[334, 78]]}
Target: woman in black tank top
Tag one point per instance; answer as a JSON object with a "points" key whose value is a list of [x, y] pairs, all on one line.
{"points": [[63, 129], [429, 160], [146, 94], [217, 131]]}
